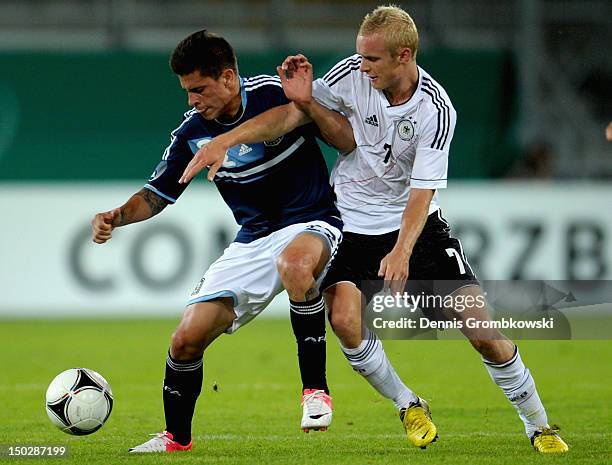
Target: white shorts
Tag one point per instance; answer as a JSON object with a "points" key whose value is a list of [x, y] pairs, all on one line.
{"points": [[247, 272]]}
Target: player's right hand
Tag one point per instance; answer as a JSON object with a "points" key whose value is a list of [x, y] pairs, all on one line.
{"points": [[211, 155], [296, 78], [394, 270], [103, 224]]}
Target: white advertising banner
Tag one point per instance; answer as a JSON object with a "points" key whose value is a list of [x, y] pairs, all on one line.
{"points": [[49, 266], [529, 231]]}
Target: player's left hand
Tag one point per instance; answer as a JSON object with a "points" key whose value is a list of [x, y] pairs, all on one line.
{"points": [[211, 156], [394, 269]]}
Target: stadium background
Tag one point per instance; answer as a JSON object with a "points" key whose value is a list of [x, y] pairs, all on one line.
{"points": [[87, 102]]}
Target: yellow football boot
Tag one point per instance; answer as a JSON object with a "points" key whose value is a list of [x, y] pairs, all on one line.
{"points": [[419, 428], [547, 441]]}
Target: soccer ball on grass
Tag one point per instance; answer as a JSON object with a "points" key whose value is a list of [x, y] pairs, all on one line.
{"points": [[79, 401]]}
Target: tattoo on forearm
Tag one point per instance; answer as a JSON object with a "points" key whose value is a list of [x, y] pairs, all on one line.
{"points": [[154, 201]]}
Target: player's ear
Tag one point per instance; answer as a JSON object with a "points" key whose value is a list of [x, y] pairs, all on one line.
{"points": [[227, 76], [404, 55]]}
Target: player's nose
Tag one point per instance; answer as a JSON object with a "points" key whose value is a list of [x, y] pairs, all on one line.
{"points": [[192, 99]]}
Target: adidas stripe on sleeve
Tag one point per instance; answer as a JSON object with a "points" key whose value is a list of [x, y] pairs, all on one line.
{"points": [[335, 89], [430, 167]]}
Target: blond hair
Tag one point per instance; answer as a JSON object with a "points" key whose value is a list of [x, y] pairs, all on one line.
{"points": [[395, 25]]}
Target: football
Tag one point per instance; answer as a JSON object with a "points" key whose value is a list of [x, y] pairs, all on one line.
{"points": [[79, 401]]}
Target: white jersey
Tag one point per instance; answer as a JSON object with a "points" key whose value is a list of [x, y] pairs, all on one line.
{"points": [[398, 147]]}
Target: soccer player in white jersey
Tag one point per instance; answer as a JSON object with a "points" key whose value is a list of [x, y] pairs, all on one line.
{"points": [[403, 123], [280, 195]]}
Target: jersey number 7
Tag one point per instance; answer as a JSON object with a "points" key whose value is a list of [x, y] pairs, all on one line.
{"points": [[452, 252]]}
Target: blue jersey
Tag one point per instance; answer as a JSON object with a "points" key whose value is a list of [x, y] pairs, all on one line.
{"points": [[268, 185]]}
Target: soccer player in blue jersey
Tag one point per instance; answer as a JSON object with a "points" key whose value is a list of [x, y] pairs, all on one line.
{"points": [[279, 193]]}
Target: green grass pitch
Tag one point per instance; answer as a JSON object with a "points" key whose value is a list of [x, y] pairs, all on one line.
{"points": [[253, 415]]}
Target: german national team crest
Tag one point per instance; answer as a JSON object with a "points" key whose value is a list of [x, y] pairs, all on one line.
{"points": [[405, 130]]}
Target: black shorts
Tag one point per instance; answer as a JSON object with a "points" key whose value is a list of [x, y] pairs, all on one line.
{"points": [[437, 261]]}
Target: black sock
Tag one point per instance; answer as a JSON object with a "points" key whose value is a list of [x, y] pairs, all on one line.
{"points": [[308, 322], [182, 386]]}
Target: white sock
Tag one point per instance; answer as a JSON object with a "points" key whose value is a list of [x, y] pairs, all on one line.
{"points": [[518, 385], [369, 360]]}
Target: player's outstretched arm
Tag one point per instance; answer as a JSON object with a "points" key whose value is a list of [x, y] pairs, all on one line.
{"points": [[269, 125], [141, 206], [296, 78], [394, 267]]}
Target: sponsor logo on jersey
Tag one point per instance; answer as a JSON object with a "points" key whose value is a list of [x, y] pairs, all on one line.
{"points": [[237, 151], [373, 120], [273, 142], [227, 163], [236, 156], [405, 129], [244, 149]]}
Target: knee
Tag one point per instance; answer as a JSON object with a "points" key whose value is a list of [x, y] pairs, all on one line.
{"points": [[296, 273], [185, 346]]}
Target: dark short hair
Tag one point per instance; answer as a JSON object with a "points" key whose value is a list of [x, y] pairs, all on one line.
{"points": [[205, 52]]}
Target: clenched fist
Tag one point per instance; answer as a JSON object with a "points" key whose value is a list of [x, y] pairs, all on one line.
{"points": [[103, 224]]}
